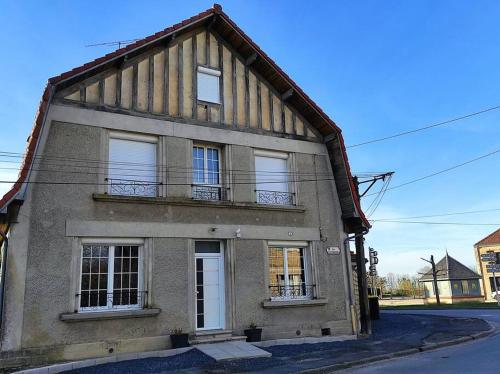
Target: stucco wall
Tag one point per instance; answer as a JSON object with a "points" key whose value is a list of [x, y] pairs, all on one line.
{"points": [[49, 278]]}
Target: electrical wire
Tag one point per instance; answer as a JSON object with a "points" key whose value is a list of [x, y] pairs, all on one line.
{"points": [[456, 119], [441, 171], [441, 215], [437, 223]]}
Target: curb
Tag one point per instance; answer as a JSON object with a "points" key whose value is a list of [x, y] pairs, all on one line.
{"points": [[406, 352], [57, 368]]}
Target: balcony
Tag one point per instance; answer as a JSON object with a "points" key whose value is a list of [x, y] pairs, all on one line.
{"points": [[293, 292], [209, 193], [274, 197], [129, 187]]}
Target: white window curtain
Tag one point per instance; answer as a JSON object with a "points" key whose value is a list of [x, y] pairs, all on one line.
{"points": [[132, 168]]}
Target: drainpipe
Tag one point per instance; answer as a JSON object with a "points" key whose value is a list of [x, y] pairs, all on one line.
{"points": [[2, 274]]}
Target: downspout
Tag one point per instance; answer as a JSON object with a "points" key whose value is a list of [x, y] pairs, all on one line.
{"points": [[354, 321], [2, 274]]}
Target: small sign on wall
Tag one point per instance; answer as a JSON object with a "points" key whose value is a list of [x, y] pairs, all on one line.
{"points": [[332, 250]]}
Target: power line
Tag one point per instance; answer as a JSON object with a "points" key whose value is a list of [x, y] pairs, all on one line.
{"points": [[437, 223], [456, 119], [442, 215], [442, 171]]}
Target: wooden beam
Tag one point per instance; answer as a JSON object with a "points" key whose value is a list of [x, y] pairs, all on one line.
{"points": [[251, 59], [194, 76], [180, 80], [287, 94], [151, 83], [118, 98], [234, 91], [135, 81], [165, 80], [212, 22]]}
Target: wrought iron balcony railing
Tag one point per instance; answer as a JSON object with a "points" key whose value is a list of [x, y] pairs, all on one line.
{"points": [[300, 291], [131, 187], [274, 197], [208, 193], [95, 300]]}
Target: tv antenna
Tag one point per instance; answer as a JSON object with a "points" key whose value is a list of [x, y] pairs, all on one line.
{"points": [[118, 43]]}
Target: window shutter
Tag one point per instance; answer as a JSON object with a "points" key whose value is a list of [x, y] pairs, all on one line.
{"points": [[271, 174], [132, 161], [208, 87]]}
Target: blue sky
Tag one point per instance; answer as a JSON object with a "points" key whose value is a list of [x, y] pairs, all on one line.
{"points": [[376, 67]]}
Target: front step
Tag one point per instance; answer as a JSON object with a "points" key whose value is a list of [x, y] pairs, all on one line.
{"points": [[214, 336]]}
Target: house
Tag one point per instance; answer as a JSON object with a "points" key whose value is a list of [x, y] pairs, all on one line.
{"points": [[184, 181], [490, 243], [456, 283]]}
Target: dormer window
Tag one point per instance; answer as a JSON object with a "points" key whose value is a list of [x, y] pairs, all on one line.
{"points": [[208, 85]]}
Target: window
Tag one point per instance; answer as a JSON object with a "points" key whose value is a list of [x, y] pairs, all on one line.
{"points": [[208, 85], [110, 277], [271, 178], [132, 167], [465, 287], [206, 173], [287, 274]]}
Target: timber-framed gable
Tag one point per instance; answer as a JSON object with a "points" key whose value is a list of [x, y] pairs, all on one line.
{"points": [[162, 83]]}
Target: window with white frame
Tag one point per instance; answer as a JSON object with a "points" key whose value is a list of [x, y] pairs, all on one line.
{"points": [[206, 173], [271, 178], [288, 273], [111, 278], [132, 168], [208, 85]]}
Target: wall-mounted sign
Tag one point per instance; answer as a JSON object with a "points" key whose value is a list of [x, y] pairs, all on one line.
{"points": [[333, 250]]}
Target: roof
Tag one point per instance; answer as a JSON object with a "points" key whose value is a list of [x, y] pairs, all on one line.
{"points": [[493, 238], [224, 26], [449, 268]]}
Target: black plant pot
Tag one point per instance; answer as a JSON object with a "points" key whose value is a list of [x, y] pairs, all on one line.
{"points": [[253, 335], [180, 340]]}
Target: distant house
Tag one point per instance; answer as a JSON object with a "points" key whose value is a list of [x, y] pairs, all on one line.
{"points": [[491, 243], [456, 283]]}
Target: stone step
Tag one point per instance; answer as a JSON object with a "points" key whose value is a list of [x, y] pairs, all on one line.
{"points": [[217, 339]]}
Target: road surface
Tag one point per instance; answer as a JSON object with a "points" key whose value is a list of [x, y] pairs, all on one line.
{"points": [[477, 357]]}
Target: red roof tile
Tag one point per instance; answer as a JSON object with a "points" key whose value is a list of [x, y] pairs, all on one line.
{"points": [[493, 238]]}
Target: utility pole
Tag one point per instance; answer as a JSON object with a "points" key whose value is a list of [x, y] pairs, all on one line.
{"points": [[364, 308], [434, 277]]}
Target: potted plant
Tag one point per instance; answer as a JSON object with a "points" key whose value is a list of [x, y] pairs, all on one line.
{"points": [[178, 338], [253, 333]]}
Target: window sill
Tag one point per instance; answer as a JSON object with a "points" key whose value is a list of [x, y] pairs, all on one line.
{"points": [[112, 314], [196, 203], [272, 304]]}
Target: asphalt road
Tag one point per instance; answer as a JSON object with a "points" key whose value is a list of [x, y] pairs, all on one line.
{"points": [[478, 357]]}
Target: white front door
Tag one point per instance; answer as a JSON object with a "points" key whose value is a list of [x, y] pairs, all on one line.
{"points": [[209, 285]]}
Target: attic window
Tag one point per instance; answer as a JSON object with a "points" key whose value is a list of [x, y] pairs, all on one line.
{"points": [[208, 85]]}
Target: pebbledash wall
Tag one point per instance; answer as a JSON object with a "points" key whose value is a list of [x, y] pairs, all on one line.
{"points": [[45, 246]]}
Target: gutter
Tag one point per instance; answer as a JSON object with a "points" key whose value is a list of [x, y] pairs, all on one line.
{"points": [[2, 274]]}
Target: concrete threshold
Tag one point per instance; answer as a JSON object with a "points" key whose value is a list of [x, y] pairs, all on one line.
{"points": [[232, 350]]}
